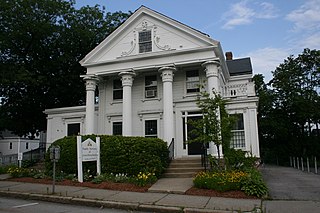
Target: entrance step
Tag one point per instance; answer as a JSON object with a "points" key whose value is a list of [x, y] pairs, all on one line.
{"points": [[183, 168]]}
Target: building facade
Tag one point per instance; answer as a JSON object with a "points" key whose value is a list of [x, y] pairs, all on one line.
{"points": [[147, 73]]}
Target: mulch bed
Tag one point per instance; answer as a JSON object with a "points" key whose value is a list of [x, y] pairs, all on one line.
{"points": [[135, 188]]}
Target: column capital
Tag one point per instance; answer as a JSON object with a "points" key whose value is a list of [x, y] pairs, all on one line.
{"points": [[211, 68], [167, 73], [127, 78], [91, 82]]}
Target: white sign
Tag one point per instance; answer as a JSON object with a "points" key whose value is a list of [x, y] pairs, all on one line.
{"points": [[88, 151], [20, 156]]}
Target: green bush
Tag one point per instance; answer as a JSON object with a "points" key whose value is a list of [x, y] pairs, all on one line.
{"points": [[17, 172], [220, 181], [253, 184], [237, 159], [128, 155]]}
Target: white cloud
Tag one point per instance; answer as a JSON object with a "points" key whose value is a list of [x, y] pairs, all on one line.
{"points": [[266, 60], [307, 17], [242, 14], [267, 11], [311, 41]]}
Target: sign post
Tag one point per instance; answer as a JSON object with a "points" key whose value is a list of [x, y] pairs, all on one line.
{"points": [[54, 156], [88, 150]]}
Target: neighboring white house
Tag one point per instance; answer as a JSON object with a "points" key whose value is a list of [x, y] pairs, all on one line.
{"points": [[11, 145], [148, 73]]}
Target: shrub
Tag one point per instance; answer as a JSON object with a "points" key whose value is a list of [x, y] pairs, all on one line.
{"points": [[220, 181], [253, 184], [128, 155], [237, 159], [18, 172]]}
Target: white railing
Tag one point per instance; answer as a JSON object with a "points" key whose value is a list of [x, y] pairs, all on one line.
{"points": [[239, 90]]}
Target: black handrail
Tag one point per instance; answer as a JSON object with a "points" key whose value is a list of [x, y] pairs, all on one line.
{"points": [[171, 149], [204, 157]]}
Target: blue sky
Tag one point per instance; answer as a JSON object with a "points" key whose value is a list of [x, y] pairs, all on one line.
{"points": [[267, 31]]}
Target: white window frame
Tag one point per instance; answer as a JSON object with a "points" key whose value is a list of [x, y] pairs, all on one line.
{"points": [[144, 126], [145, 90], [115, 121], [73, 122], [242, 132], [145, 42], [116, 100]]}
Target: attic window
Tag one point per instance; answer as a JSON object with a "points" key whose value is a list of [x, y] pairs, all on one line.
{"points": [[145, 43]]}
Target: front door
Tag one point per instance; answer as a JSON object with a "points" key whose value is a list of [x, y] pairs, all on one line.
{"points": [[193, 148]]}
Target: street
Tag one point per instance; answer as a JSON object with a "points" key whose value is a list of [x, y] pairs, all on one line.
{"points": [[9, 205]]}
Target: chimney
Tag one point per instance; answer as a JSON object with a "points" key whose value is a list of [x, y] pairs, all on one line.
{"points": [[229, 55]]}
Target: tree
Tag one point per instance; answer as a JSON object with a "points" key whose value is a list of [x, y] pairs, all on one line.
{"points": [[41, 43], [288, 109], [216, 124]]}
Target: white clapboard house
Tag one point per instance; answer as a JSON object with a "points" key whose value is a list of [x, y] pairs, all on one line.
{"points": [[147, 73]]}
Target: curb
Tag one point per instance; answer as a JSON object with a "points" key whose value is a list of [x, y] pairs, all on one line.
{"points": [[107, 204]]}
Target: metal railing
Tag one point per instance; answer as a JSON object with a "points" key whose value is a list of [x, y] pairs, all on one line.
{"points": [[204, 157], [305, 164], [171, 149]]}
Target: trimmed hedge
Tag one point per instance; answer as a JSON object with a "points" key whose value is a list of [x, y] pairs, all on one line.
{"points": [[128, 155]]}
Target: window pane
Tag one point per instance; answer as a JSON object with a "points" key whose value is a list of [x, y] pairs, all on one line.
{"points": [[73, 129], [144, 36], [151, 86], [238, 136], [192, 81], [117, 128], [151, 128], [145, 43], [117, 89]]}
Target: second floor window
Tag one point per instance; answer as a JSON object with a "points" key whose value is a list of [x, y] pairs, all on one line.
{"points": [[151, 86], [145, 43], [117, 89], [192, 81]]}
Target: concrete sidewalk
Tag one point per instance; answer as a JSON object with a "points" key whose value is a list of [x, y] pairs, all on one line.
{"points": [[148, 201], [162, 198]]}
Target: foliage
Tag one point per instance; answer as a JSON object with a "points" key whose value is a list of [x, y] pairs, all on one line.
{"points": [[220, 181], [119, 155], [42, 43], [239, 160], [16, 172], [3, 169], [216, 124], [144, 178], [249, 181], [288, 114], [253, 184]]}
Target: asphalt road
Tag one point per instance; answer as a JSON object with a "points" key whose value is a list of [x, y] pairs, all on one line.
{"points": [[11, 205], [286, 183]]}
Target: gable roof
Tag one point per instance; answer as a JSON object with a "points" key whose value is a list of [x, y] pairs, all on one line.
{"points": [[140, 12], [240, 66]]}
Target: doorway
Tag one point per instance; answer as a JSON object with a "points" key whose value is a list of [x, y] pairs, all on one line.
{"points": [[193, 148]]}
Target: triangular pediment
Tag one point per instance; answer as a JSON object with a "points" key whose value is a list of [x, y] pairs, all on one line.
{"points": [[167, 35]]}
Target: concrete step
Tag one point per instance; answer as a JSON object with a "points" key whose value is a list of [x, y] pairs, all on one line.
{"points": [[182, 170], [184, 165], [179, 175]]}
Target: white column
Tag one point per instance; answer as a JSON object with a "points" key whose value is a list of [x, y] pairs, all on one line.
{"points": [[127, 80], [167, 79], [212, 74], [102, 107], [253, 131], [91, 83]]}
